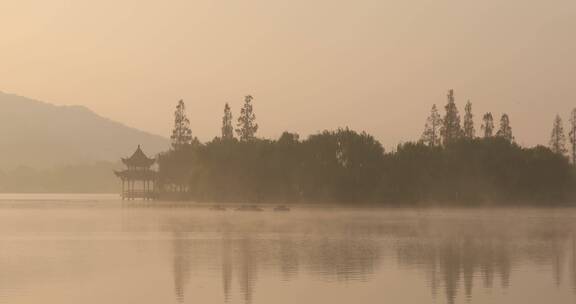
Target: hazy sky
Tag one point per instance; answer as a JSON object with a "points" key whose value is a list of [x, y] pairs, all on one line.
{"points": [[373, 65]]}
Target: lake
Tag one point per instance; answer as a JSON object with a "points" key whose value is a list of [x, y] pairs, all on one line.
{"points": [[97, 249]]}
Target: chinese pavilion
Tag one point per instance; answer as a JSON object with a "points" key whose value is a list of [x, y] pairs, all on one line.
{"points": [[138, 180]]}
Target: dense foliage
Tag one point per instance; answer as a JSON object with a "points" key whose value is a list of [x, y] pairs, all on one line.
{"points": [[339, 165], [448, 165], [491, 170], [346, 166]]}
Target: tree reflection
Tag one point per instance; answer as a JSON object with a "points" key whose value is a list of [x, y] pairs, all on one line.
{"points": [[453, 261], [243, 256], [226, 267], [181, 265], [454, 258]]}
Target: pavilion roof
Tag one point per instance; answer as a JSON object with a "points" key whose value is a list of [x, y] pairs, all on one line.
{"points": [[138, 159]]}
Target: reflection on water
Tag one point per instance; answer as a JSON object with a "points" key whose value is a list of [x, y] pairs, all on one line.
{"points": [[63, 252], [452, 252], [243, 247]]}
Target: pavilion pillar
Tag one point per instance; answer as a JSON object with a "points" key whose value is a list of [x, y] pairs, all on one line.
{"points": [[147, 189], [144, 189]]}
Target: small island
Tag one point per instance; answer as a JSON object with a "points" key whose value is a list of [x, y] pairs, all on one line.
{"points": [[451, 163]]}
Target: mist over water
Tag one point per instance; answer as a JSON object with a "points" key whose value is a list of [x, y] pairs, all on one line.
{"points": [[95, 249]]}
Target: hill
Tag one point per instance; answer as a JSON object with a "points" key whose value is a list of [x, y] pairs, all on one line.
{"points": [[41, 135]]}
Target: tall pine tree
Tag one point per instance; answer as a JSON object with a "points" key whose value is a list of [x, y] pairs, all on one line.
{"points": [[572, 134], [557, 138], [505, 130], [227, 128], [488, 125], [247, 126], [469, 131], [181, 134], [431, 135], [451, 129]]}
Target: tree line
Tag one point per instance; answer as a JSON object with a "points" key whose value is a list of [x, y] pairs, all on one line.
{"points": [[448, 164]]}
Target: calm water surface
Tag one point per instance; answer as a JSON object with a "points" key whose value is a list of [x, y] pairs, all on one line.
{"points": [[95, 249]]}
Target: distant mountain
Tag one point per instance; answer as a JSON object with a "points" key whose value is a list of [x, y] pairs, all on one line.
{"points": [[42, 135]]}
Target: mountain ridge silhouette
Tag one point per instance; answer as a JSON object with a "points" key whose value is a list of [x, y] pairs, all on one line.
{"points": [[39, 134]]}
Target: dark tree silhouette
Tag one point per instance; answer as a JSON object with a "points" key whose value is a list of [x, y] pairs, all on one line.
{"points": [[488, 125], [557, 138], [505, 130], [572, 135], [181, 134], [247, 126], [351, 167], [227, 128], [451, 129], [431, 134], [469, 131]]}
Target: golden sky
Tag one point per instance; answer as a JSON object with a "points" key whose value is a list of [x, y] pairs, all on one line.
{"points": [[373, 65]]}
